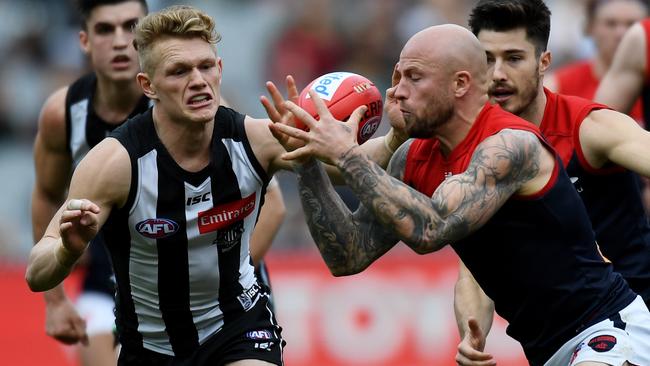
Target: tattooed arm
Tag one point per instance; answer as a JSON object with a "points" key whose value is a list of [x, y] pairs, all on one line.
{"points": [[348, 242], [502, 164]]}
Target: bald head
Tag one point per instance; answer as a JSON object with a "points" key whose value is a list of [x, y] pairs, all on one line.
{"points": [[449, 47]]}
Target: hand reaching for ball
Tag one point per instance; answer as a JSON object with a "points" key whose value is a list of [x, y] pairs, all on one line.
{"points": [[327, 139]]}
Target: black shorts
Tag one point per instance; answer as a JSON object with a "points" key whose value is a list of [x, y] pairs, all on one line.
{"points": [[252, 336]]}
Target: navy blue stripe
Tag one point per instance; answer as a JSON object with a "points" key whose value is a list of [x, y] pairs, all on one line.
{"points": [[618, 322]]}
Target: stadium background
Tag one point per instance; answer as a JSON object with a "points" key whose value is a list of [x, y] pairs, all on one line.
{"points": [[398, 312]]}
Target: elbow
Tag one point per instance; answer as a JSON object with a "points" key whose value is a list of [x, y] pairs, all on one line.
{"points": [[345, 271], [32, 282], [424, 246], [281, 211]]}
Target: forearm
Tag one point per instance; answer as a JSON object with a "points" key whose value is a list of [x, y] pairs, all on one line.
{"points": [[409, 214], [379, 150], [471, 301], [49, 264], [43, 209], [347, 242]]}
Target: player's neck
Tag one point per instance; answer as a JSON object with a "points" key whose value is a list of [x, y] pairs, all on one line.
{"points": [[534, 113], [187, 143], [114, 102], [453, 133]]}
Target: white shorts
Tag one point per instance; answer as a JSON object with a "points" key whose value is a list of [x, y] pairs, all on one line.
{"points": [[97, 309], [612, 341]]}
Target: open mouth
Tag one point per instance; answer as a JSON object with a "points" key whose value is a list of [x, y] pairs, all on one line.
{"points": [[121, 61], [501, 94], [200, 100]]}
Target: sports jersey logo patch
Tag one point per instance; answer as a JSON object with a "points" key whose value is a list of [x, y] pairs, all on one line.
{"points": [[156, 228], [224, 215], [227, 239], [602, 343], [258, 334]]}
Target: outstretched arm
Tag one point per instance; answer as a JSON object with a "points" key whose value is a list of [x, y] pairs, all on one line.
{"points": [[347, 242], [474, 314], [500, 166], [622, 83], [100, 182], [609, 136]]}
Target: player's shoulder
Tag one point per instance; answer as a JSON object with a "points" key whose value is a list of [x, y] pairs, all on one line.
{"points": [[51, 121], [105, 172], [109, 159]]}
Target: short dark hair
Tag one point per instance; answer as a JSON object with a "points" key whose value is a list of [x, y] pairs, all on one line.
{"points": [[505, 15], [87, 6]]}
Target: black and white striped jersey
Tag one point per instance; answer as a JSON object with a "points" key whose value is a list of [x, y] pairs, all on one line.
{"points": [[180, 246], [84, 128]]}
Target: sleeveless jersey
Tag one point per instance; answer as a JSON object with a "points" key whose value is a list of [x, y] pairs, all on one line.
{"points": [[84, 130], [611, 194], [536, 257], [579, 79], [180, 245]]}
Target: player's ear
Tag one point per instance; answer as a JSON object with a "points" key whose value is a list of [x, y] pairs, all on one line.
{"points": [[220, 67], [545, 61], [84, 42], [147, 87], [462, 81]]}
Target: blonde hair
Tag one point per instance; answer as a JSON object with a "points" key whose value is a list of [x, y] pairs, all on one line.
{"points": [[175, 21]]}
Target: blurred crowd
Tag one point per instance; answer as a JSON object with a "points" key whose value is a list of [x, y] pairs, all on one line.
{"points": [[262, 40]]}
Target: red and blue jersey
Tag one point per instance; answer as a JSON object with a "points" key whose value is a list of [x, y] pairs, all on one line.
{"points": [[536, 257], [611, 194]]}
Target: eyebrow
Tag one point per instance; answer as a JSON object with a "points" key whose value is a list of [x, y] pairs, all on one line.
{"points": [[129, 22], [509, 51]]}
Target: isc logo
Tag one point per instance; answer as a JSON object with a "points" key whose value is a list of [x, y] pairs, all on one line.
{"points": [[156, 228], [205, 197]]}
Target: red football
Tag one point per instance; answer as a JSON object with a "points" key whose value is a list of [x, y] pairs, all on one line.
{"points": [[343, 92]]}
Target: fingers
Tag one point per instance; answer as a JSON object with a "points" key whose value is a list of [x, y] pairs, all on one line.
{"points": [[83, 205], [390, 92], [74, 331], [302, 115], [357, 115], [292, 90], [474, 328], [321, 108], [276, 96], [298, 154], [290, 131], [395, 78], [468, 356], [273, 113]]}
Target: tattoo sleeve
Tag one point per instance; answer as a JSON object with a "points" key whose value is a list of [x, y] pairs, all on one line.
{"points": [[347, 242], [500, 165]]}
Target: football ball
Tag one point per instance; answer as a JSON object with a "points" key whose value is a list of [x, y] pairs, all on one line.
{"points": [[343, 92]]}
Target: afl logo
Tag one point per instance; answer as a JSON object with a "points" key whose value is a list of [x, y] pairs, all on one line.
{"points": [[369, 128], [156, 228]]}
